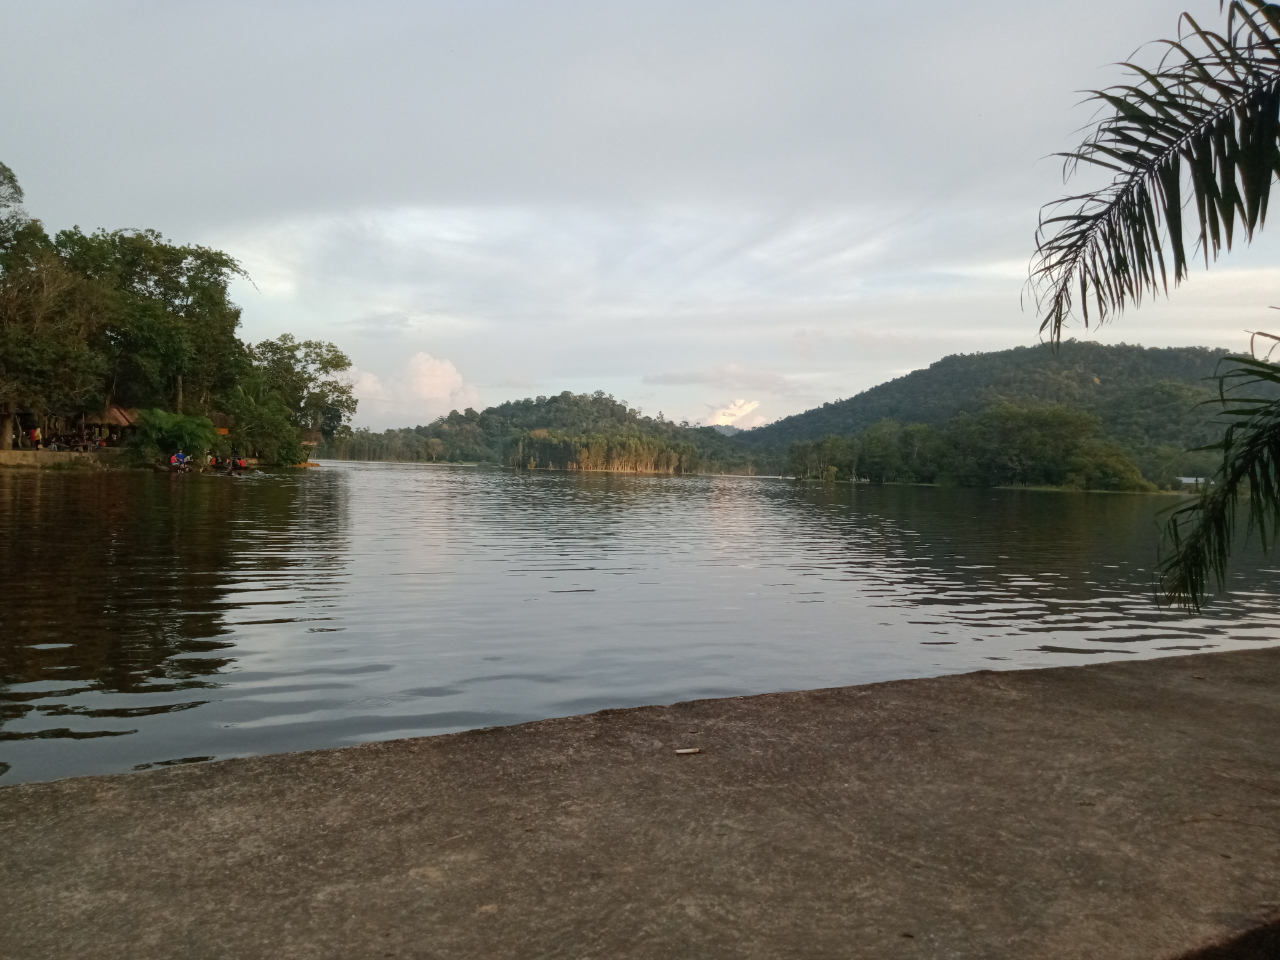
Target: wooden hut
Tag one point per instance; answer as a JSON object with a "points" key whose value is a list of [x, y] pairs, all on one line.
{"points": [[112, 425]]}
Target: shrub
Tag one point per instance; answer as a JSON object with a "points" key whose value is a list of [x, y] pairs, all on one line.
{"points": [[161, 434]]}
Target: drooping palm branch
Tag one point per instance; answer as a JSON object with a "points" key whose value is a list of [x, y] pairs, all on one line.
{"points": [[1201, 130], [1201, 531]]}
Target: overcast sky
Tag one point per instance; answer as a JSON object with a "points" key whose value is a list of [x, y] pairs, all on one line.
{"points": [[726, 211]]}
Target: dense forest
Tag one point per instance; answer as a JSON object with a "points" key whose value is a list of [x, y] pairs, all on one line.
{"points": [[1140, 395], [124, 330], [1146, 403], [566, 432], [1004, 445]]}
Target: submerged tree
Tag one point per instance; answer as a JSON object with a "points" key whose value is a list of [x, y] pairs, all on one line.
{"points": [[1199, 132]]}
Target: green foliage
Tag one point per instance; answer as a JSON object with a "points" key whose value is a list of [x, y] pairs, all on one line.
{"points": [[1008, 444], [1201, 531], [1138, 394], [829, 459], [619, 452], [1198, 132], [49, 315], [880, 458], [11, 215], [161, 434], [168, 338], [1004, 445], [263, 423], [125, 318], [924, 452], [305, 376], [1146, 400]]}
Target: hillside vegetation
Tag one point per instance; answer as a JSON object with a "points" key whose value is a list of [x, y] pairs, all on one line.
{"points": [[565, 432], [1083, 415], [1139, 394], [1144, 402]]}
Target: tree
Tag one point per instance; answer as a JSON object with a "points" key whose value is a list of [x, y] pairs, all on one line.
{"points": [[125, 317], [1009, 444], [880, 453], [170, 340], [12, 216], [263, 422], [1199, 132], [48, 317], [306, 375], [160, 435]]}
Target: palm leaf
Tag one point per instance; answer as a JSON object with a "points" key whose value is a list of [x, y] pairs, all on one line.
{"points": [[1201, 531], [1197, 135]]}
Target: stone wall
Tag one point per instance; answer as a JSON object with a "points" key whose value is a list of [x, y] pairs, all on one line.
{"points": [[49, 458]]}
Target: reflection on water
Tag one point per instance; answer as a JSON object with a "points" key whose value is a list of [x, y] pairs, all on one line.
{"points": [[154, 620]]}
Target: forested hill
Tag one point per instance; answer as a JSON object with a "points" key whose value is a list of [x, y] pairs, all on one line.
{"points": [[1140, 395], [565, 431]]}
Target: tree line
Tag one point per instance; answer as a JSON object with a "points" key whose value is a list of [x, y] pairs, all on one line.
{"points": [[1005, 445], [124, 318]]}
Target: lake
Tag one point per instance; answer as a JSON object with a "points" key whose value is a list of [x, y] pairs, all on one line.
{"points": [[154, 619]]}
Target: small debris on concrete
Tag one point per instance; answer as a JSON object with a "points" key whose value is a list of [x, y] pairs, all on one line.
{"points": [[689, 750]]}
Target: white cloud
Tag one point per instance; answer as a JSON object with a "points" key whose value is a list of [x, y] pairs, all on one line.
{"points": [[368, 387], [734, 411], [674, 203], [432, 379], [426, 387]]}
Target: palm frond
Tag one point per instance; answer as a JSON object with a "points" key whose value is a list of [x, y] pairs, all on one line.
{"points": [[1201, 531], [1200, 131]]}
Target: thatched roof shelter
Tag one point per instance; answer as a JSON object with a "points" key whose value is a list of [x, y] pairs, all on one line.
{"points": [[113, 416]]}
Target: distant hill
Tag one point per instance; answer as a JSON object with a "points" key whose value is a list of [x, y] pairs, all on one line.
{"points": [[1146, 400], [1142, 395], [576, 431]]}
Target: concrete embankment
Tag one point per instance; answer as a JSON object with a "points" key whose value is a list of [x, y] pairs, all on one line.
{"points": [[44, 459], [1126, 810]]}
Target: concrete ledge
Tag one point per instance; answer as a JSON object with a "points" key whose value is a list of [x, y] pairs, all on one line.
{"points": [[1126, 810], [49, 458]]}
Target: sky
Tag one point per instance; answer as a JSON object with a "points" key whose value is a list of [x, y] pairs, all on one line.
{"points": [[726, 212]]}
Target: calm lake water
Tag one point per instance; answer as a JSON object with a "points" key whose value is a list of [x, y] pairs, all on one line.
{"points": [[152, 619]]}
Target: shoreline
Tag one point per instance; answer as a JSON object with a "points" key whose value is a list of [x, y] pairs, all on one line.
{"points": [[1122, 809], [764, 476]]}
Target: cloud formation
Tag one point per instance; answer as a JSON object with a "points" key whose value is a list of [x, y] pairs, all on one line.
{"points": [[731, 376], [731, 414], [422, 390], [675, 203]]}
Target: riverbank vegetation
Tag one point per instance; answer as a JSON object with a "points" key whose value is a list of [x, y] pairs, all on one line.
{"points": [[1005, 445], [125, 320]]}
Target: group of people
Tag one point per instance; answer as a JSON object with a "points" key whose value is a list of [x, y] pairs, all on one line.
{"points": [[83, 439], [181, 463]]}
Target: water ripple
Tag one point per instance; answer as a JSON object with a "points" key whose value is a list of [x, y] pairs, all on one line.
{"points": [[165, 620]]}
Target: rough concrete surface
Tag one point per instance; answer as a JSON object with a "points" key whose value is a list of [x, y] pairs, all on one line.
{"points": [[1125, 810], [44, 459]]}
